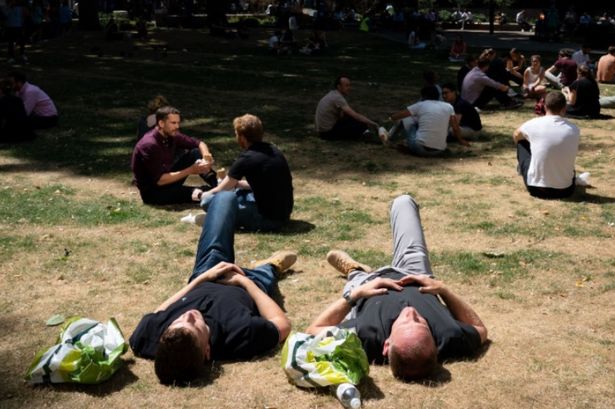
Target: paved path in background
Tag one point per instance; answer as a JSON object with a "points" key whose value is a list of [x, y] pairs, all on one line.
{"points": [[500, 40]]}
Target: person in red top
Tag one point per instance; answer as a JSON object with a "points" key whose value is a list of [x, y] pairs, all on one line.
{"points": [[564, 71], [164, 158]]}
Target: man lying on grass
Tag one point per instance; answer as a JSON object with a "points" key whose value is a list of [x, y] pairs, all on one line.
{"points": [[225, 312], [397, 310]]}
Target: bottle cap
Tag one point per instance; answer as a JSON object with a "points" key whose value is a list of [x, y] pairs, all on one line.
{"points": [[355, 403]]}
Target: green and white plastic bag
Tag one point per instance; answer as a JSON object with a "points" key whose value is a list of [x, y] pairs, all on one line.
{"points": [[87, 351], [332, 357]]}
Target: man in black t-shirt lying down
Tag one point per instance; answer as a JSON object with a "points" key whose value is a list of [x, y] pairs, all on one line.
{"points": [[224, 312], [396, 311]]}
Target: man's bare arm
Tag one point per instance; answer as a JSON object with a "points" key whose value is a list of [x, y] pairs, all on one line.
{"points": [[518, 135], [197, 168], [266, 306], [359, 117]]}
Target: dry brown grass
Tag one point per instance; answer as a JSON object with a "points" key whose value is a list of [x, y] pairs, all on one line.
{"points": [[551, 326]]}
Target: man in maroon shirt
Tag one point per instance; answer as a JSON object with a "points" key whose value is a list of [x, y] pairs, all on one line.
{"points": [[564, 71], [164, 158]]}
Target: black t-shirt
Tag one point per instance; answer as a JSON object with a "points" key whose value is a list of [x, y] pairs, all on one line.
{"points": [[375, 317], [266, 170], [469, 116], [237, 329], [588, 98]]}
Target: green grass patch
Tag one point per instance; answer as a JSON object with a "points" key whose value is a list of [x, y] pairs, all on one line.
{"points": [[10, 245], [57, 204], [504, 268]]}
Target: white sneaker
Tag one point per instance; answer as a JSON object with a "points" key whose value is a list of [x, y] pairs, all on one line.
{"points": [[583, 179], [383, 134], [197, 219], [190, 219]]}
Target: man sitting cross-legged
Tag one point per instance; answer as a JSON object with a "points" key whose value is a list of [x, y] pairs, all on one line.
{"points": [[426, 124], [224, 312], [396, 311], [163, 159], [547, 148]]}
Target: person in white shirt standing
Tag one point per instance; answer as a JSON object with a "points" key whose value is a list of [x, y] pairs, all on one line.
{"points": [[547, 147]]}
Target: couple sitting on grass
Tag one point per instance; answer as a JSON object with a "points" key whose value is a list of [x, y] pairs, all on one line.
{"points": [[164, 158], [402, 315]]}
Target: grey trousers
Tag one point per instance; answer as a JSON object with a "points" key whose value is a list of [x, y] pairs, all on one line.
{"points": [[410, 255]]}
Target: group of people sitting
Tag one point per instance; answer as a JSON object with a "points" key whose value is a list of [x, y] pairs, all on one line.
{"points": [[24, 107], [443, 115], [285, 42]]}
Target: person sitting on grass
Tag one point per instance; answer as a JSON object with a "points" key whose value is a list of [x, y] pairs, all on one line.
{"points": [[547, 147], [605, 72], [335, 119], [225, 312], [478, 89], [515, 65], [583, 95], [265, 198], [403, 315], [42, 112], [164, 158], [459, 49], [426, 125], [533, 79], [564, 71], [467, 124], [316, 43]]}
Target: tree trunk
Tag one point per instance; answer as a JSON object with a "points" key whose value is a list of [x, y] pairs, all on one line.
{"points": [[88, 15]]}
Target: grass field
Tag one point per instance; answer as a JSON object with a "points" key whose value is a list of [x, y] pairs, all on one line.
{"points": [[75, 238]]}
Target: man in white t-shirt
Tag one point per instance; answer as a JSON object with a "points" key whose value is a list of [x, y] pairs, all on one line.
{"points": [[426, 123], [547, 147], [335, 119]]}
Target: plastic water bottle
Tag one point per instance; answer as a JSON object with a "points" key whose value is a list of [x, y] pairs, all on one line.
{"points": [[348, 395]]}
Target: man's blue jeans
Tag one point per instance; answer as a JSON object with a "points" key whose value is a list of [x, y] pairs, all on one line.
{"points": [[248, 216], [217, 241]]}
